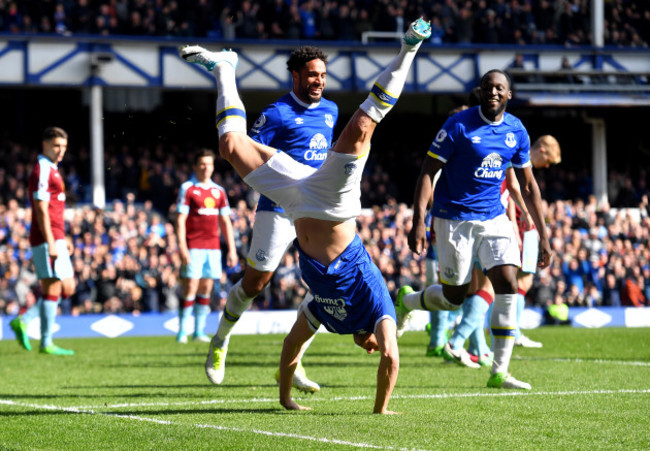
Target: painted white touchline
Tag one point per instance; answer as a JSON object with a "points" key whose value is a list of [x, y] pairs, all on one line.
{"points": [[182, 403], [200, 426], [361, 398], [522, 393], [559, 359]]}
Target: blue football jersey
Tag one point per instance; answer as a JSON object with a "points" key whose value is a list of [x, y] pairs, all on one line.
{"points": [[303, 131], [476, 153], [350, 295]]}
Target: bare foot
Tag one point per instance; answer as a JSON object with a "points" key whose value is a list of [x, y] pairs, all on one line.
{"points": [[292, 405]]}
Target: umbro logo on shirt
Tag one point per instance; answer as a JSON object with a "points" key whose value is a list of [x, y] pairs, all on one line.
{"points": [[476, 140], [299, 120]]}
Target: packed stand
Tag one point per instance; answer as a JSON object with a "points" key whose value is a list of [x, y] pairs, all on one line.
{"points": [[126, 257], [520, 22]]}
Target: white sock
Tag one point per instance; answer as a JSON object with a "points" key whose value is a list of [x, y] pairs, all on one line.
{"points": [[236, 305], [430, 299], [503, 324], [231, 114], [304, 347], [389, 84]]}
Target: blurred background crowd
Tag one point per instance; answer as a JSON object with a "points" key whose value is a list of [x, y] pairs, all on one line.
{"points": [[519, 22], [126, 257]]}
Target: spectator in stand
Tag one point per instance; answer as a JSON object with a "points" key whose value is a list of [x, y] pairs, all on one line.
{"points": [[557, 313], [275, 16], [612, 291], [632, 291], [531, 22]]}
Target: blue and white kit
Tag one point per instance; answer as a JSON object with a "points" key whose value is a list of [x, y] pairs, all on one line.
{"points": [[470, 217], [349, 295], [469, 140], [304, 132]]}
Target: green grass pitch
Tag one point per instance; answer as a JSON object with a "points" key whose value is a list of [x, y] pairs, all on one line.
{"points": [[591, 390]]}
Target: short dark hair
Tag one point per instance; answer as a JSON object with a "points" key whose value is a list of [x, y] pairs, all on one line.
{"points": [[203, 153], [497, 71], [54, 132], [304, 54]]}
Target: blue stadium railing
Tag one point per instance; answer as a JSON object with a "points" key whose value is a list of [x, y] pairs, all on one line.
{"points": [[69, 61]]}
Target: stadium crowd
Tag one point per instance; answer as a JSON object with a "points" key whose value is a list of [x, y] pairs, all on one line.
{"points": [[126, 256], [520, 22]]}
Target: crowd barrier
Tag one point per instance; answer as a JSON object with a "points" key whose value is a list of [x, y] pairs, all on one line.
{"points": [[280, 322]]}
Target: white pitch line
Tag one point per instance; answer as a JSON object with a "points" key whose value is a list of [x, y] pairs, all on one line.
{"points": [[92, 411], [559, 359], [523, 393], [352, 398], [182, 403], [200, 426]]}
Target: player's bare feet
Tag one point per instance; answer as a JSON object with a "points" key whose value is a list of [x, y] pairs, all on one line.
{"points": [[292, 405]]}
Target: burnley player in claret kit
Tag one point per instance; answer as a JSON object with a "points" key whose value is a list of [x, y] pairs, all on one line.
{"points": [[202, 211], [50, 250]]}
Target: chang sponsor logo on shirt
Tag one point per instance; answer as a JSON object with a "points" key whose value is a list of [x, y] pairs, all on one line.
{"points": [[491, 167], [317, 144], [333, 307]]}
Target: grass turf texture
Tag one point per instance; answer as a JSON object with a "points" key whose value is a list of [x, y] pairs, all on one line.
{"points": [[591, 389]]}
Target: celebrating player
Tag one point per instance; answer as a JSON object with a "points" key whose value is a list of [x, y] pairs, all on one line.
{"points": [[475, 147], [348, 294], [300, 124]]}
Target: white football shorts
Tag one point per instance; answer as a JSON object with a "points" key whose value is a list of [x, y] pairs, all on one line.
{"points": [[493, 242], [273, 234], [432, 270], [332, 192]]}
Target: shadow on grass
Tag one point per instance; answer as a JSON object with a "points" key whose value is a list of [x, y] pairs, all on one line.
{"points": [[41, 412], [117, 398], [210, 410], [166, 364], [206, 385]]}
